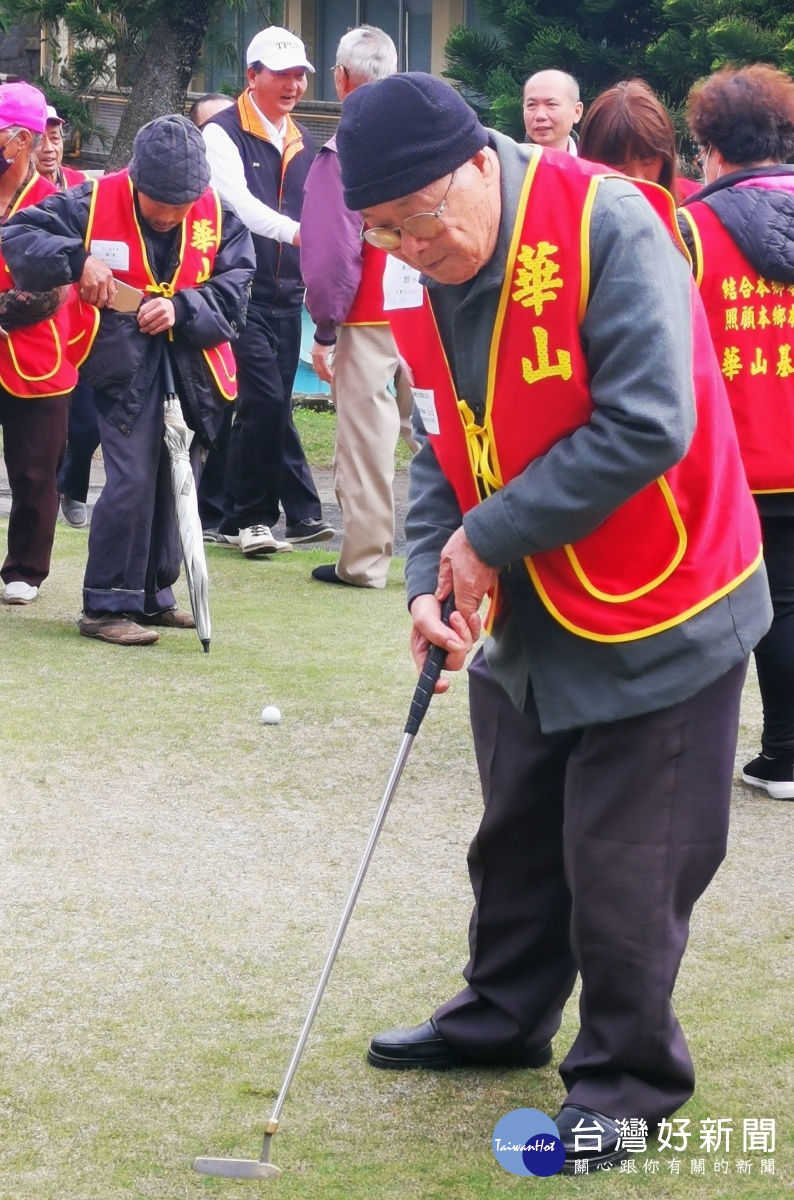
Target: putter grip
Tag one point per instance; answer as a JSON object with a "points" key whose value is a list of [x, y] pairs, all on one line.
{"points": [[434, 664]]}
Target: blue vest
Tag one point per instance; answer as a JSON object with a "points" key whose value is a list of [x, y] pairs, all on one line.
{"points": [[277, 286]]}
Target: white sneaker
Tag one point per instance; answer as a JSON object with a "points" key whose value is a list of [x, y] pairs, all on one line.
{"points": [[20, 592], [257, 539], [214, 537]]}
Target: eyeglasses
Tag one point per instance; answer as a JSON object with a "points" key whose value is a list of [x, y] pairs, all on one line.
{"points": [[425, 226], [702, 157]]}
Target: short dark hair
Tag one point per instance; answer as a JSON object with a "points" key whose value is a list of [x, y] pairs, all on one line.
{"points": [[629, 121], [747, 113], [194, 112]]}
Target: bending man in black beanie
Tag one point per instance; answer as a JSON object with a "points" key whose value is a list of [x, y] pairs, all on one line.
{"points": [[562, 472], [159, 227]]}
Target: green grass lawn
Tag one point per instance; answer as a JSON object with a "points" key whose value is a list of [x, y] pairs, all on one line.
{"points": [[173, 872], [317, 430]]}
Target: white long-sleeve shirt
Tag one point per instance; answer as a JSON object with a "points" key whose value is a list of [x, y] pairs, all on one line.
{"points": [[228, 176]]}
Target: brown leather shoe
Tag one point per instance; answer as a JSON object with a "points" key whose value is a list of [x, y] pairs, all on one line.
{"points": [[116, 628], [170, 618]]}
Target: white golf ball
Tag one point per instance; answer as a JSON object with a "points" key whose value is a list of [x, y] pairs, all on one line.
{"points": [[270, 715]]}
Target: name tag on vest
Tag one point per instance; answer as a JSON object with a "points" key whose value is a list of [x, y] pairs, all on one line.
{"points": [[425, 401], [115, 255], [401, 286]]}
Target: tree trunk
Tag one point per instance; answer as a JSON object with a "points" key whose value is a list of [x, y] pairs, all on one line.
{"points": [[164, 72]]}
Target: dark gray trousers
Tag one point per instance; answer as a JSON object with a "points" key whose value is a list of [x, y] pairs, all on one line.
{"points": [[133, 543], [593, 848]]}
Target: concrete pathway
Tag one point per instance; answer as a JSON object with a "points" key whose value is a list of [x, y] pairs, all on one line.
{"points": [[322, 479]]}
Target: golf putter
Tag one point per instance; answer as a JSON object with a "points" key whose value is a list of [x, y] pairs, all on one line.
{"points": [[262, 1168]]}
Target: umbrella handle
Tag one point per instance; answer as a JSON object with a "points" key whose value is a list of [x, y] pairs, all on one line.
{"points": [[434, 663], [168, 372]]}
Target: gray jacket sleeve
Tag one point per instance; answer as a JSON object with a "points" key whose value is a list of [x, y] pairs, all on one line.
{"points": [[433, 516], [637, 341]]}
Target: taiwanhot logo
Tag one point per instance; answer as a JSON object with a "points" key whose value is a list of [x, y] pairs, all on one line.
{"points": [[527, 1142]]}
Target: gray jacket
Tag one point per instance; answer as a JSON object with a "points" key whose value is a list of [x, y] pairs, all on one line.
{"points": [[637, 341]]}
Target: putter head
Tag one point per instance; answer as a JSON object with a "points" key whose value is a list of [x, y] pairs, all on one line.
{"points": [[236, 1168]]}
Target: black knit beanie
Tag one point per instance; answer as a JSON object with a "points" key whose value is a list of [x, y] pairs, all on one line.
{"points": [[168, 161], [401, 134]]}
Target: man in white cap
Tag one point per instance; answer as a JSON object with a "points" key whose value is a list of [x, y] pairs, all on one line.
{"points": [[259, 158]]}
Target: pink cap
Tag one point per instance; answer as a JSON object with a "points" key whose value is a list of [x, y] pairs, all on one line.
{"points": [[24, 105], [52, 116]]}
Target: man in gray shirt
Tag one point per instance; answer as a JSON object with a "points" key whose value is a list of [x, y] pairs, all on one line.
{"points": [[580, 465]]}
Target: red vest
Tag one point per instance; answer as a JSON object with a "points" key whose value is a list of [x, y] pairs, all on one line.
{"points": [[367, 307], [113, 220], [83, 318], [34, 360], [681, 543], [72, 177], [752, 326]]}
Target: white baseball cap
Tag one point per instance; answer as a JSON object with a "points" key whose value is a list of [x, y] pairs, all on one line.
{"points": [[52, 115], [278, 50]]}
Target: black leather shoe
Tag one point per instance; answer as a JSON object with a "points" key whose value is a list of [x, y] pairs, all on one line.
{"points": [[310, 529], [327, 574], [590, 1137], [424, 1046]]}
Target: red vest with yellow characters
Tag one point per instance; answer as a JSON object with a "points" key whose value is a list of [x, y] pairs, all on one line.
{"points": [[681, 543], [34, 360], [752, 326], [114, 235]]}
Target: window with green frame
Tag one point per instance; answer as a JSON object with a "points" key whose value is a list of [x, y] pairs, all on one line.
{"points": [[408, 22], [222, 66]]}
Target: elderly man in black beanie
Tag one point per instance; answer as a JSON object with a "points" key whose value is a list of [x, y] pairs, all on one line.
{"points": [[563, 473], [159, 228]]}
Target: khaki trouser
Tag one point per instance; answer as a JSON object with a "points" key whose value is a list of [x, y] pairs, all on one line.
{"points": [[369, 421]]}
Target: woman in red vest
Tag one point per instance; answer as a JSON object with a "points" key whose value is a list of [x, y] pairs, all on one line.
{"points": [[628, 128], [36, 376], [740, 230]]}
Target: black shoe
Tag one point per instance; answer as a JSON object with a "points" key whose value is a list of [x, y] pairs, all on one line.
{"points": [[589, 1137], [424, 1046], [327, 574], [774, 775], [311, 529]]}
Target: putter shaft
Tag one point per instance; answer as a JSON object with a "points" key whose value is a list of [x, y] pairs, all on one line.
{"points": [[247, 1168]]}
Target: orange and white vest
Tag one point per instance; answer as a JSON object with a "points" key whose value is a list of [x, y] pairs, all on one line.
{"points": [[367, 307], [752, 326], [682, 542], [114, 235], [34, 360]]}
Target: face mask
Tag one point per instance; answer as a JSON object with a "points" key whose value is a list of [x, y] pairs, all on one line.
{"points": [[5, 163], [705, 165]]}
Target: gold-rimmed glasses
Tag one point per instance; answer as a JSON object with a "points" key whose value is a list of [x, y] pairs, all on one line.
{"points": [[425, 226]]}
